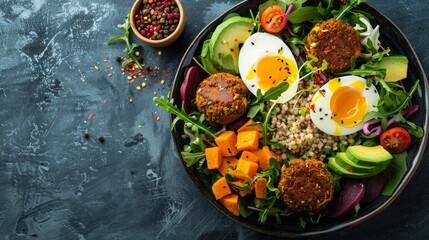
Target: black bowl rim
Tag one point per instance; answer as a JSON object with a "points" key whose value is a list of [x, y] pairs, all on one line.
{"points": [[342, 226]]}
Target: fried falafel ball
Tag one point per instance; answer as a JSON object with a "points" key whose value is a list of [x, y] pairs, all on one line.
{"points": [[336, 42], [306, 186], [222, 97]]}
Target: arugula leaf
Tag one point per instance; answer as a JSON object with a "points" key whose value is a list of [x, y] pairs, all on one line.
{"points": [[339, 14], [258, 105], [182, 115]]}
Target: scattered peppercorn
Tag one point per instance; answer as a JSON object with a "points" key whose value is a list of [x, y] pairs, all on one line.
{"points": [[157, 19], [101, 139], [118, 59], [86, 135]]}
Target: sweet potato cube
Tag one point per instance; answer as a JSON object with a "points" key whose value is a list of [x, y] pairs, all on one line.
{"points": [[260, 188], [227, 164], [264, 155], [245, 170], [251, 126], [221, 188], [213, 157], [227, 142], [249, 156], [247, 140], [231, 203]]}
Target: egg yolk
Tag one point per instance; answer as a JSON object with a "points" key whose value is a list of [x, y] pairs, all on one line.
{"points": [[348, 106], [271, 70]]}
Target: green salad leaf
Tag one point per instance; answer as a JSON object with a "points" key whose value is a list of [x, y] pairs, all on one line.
{"points": [[394, 173], [129, 47]]}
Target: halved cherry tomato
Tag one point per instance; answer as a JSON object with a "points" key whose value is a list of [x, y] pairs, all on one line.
{"points": [[273, 19], [395, 140]]}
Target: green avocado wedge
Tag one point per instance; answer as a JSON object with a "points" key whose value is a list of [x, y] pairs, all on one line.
{"points": [[369, 156], [396, 67], [334, 166], [226, 41], [344, 162]]}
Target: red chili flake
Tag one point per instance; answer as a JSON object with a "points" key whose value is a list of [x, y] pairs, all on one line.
{"points": [[91, 115], [313, 107], [305, 168], [106, 60], [349, 169], [317, 81], [302, 190], [110, 74], [322, 92]]}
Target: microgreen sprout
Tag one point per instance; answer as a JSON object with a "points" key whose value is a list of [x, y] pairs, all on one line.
{"points": [[129, 47]]}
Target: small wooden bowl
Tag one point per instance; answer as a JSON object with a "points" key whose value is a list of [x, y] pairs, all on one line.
{"points": [[162, 42]]}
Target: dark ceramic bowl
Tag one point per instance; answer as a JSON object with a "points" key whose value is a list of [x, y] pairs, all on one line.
{"points": [[391, 37]]}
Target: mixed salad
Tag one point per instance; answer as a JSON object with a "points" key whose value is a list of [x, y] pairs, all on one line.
{"points": [[322, 62]]}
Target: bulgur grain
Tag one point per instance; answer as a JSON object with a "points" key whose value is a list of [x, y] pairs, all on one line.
{"points": [[301, 138]]}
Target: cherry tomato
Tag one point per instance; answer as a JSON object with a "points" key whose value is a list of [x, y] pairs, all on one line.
{"points": [[273, 19], [395, 140]]}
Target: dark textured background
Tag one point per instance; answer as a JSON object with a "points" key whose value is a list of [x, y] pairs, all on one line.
{"points": [[54, 184]]}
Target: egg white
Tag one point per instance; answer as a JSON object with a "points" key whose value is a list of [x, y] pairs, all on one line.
{"points": [[257, 47], [323, 116]]}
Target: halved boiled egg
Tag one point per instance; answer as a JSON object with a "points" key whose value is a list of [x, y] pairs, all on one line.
{"points": [[264, 62], [339, 106]]}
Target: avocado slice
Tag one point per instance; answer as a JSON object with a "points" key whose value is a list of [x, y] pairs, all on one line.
{"points": [[396, 67], [334, 166], [369, 156], [343, 161], [226, 41], [205, 58]]}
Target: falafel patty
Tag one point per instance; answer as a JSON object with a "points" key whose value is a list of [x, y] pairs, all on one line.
{"points": [[222, 97], [306, 185], [336, 42]]}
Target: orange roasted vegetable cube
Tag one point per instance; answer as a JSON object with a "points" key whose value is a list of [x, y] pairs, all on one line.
{"points": [[231, 203], [251, 126], [264, 157], [249, 156], [213, 157], [260, 188], [245, 170], [227, 164], [227, 142], [247, 140], [221, 188]]}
